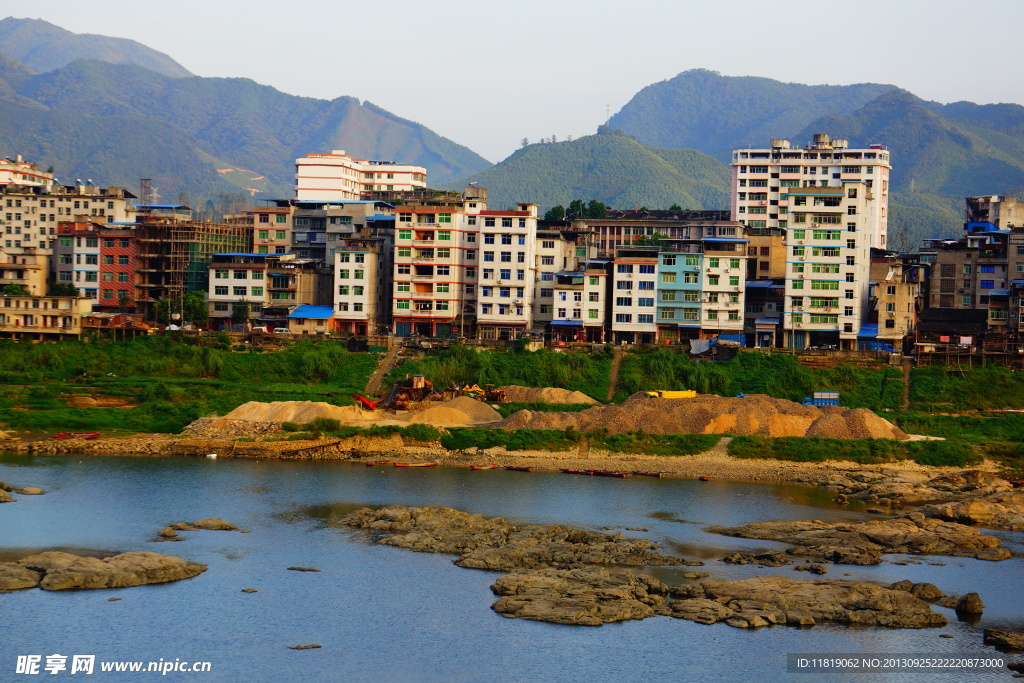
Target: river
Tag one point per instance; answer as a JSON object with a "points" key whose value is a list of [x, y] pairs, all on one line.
{"points": [[386, 614]]}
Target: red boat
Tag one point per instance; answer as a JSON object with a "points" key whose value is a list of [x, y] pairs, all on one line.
{"points": [[85, 435], [518, 469], [483, 467], [586, 472], [415, 464], [650, 474], [704, 477], [61, 435], [610, 473], [373, 463]]}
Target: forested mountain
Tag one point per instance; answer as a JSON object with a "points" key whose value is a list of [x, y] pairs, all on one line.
{"points": [[42, 46], [119, 122], [715, 114], [614, 169]]}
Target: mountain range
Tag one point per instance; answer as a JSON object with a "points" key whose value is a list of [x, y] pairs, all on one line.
{"points": [[115, 110]]}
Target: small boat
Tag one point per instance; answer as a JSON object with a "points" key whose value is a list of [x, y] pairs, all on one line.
{"points": [[610, 473], [61, 435], [211, 456], [649, 474], [85, 435], [704, 477], [415, 464], [586, 472], [518, 469], [483, 467]]}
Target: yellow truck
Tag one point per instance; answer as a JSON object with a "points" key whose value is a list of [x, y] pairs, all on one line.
{"points": [[671, 394]]}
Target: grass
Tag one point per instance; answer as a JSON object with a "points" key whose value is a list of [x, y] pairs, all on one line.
{"points": [[864, 451]]}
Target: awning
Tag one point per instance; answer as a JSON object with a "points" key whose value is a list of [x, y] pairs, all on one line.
{"points": [[567, 323], [312, 312], [868, 330], [998, 292], [766, 322]]}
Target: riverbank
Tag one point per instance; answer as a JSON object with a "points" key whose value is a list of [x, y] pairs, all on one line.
{"points": [[715, 463]]}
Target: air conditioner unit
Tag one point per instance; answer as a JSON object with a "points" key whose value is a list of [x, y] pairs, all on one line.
{"points": [[498, 282], [798, 308], [801, 241], [803, 258]]}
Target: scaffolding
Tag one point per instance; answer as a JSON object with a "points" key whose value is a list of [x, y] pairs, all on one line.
{"points": [[173, 255]]}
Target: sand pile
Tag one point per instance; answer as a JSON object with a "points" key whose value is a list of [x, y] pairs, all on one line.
{"points": [[518, 394], [459, 411], [708, 414], [292, 411]]}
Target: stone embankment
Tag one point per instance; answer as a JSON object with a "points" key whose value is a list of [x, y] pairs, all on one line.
{"points": [[571, 576], [864, 543], [55, 571]]}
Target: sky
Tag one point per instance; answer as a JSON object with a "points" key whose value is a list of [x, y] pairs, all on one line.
{"points": [[488, 74]]}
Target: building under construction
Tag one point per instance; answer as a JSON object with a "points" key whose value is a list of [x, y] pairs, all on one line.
{"points": [[174, 251]]}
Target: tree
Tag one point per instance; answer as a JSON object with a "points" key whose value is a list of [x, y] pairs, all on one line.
{"points": [[63, 289], [675, 207], [525, 142], [16, 290], [576, 210], [654, 240], [554, 138], [194, 308], [162, 311], [596, 209], [555, 213], [240, 313]]}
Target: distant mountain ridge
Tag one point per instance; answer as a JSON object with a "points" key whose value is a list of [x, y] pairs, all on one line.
{"points": [[43, 47], [614, 169]]}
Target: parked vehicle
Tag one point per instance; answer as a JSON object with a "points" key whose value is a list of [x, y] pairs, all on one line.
{"points": [[282, 330]]}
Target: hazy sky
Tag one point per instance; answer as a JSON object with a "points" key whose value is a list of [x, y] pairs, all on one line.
{"points": [[487, 74]]}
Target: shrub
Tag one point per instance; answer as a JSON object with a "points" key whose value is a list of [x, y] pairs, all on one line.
{"points": [[323, 424], [291, 427]]}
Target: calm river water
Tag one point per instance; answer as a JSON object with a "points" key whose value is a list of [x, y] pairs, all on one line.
{"points": [[385, 614]]}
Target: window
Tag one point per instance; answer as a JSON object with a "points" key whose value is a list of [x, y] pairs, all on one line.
{"points": [[444, 235], [444, 218], [645, 318], [122, 260], [122, 277], [692, 259], [594, 280], [623, 301], [646, 268], [505, 274], [263, 234], [108, 260], [220, 291], [343, 290], [712, 263], [624, 268], [592, 313], [712, 315], [280, 218], [547, 244], [734, 263], [690, 278], [547, 260], [712, 279], [984, 269], [403, 252], [668, 278], [108, 294], [240, 291], [402, 304], [218, 307], [623, 318], [488, 256], [257, 291], [988, 284], [405, 235], [668, 259], [92, 259], [91, 276], [667, 313]]}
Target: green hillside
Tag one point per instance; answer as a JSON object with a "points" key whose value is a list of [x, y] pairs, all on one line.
{"points": [[43, 46], [613, 169], [704, 110]]}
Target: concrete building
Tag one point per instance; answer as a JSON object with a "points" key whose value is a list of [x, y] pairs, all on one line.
{"points": [[256, 282], [99, 260], [508, 243], [17, 171], [581, 308], [42, 317], [557, 251], [341, 177], [27, 273], [1001, 212], [833, 203], [625, 227], [896, 298], [634, 282]]}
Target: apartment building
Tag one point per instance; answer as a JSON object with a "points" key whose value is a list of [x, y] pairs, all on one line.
{"points": [[634, 282], [557, 251], [24, 273], [257, 282], [627, 227], [895, 298], [41, 318], [581, 303], [508, 243], [341, 177], [98, 259], [17, 171], [832, 201], [1001, 212], [437, 263], [362, 282]]}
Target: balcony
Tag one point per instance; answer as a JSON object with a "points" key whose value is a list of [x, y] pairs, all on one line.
{"points": [[423, 241]]}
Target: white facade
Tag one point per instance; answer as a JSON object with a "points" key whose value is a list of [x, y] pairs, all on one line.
{"points": [[723, 281], [355, 288], [634, 277], [508, 243], [17, 171], [339, 176], [239, 280]]}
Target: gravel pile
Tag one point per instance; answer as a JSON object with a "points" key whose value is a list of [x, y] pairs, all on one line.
{"points": [[518, 394], [223, 428], [292, 411], [707, 414]]}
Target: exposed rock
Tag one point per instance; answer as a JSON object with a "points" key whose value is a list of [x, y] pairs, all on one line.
{"points": [[495, 544], [765, 600], [30, 491], [63, 571], [1004, 510], [696, 575], [812, 568], [207, 523], [249, 590], [1004, 640], [303, 569], [864, 542], [925, 591], [311, 646], [589, 596], [167, 532], [967, 604], [6, 497], [5, 486], [770, 559]]}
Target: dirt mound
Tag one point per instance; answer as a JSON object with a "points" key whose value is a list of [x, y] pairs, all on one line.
{"points": [[459, 411], [290, 411], [518, 394], [706, 414]]}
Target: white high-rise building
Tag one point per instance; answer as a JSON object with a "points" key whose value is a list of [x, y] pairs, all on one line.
{"points": [[339, 176], [832, 202]]}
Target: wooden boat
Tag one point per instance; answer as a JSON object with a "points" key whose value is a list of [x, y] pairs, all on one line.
{"points": [[610, 473], [483, 467], [85, 435], [586, 472], [374, 463], [518, 469], [649, 474], [61, 435], [704, 477], [415, 464]]}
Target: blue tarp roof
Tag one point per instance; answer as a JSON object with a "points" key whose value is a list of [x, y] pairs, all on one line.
{"points": [[762, 283], [568, 323], [869, 330], [314, 312]]}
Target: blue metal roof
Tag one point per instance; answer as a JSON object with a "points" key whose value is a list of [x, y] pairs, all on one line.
{"points": [[998, 292], [122, 223], [869, 330], [162, 206], [762, 283], [314, 312], [568, 323], [724, 239], [766, 321], [255, 255], [380, 217]]}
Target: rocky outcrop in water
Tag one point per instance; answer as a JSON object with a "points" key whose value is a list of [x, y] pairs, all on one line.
{"points": [[589, 596], [908, 487], [1004, 640], [495, 544], [995, 511], [768, 600], [170, 532], [865, 542], [57, 571], [770, 559]]}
